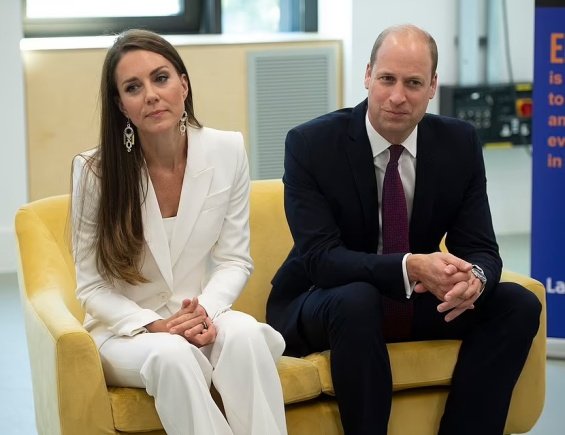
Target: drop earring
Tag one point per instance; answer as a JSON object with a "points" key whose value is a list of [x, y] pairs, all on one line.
{"points": [[183, 123], [129, 137]]}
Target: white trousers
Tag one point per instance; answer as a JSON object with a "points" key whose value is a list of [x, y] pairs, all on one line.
{"points": [[240, 363]]}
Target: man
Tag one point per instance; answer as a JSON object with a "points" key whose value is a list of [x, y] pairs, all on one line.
{"points": [[366, 267]]}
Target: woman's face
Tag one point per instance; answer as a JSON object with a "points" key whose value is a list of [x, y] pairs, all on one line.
{"points": [[151, 92]]}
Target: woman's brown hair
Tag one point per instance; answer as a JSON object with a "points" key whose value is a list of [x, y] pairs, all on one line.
{"points": [[119, 228]]}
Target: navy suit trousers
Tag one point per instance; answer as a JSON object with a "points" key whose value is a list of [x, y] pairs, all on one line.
{"points": [[496, 336]]}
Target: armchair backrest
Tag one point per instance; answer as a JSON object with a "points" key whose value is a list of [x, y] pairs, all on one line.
{"points": [[271, 242], [44, 244]]}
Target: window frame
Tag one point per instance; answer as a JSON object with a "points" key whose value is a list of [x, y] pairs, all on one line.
{"points": [[299, 15], [207, 20]]}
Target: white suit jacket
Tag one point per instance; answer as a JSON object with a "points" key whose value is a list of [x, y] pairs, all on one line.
{"points": [[208, 255]]}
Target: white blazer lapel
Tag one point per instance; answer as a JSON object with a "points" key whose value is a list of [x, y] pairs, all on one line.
{"points": [[195, 187], [154, 233]]}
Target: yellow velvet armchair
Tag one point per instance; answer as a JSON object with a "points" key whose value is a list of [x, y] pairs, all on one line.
{"points": [[71, 396]]}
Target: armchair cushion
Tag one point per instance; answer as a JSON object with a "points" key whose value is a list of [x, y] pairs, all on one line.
{"points": [[133, 410], [414, 364]]}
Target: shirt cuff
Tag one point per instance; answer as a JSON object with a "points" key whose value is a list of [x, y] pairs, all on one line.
{"points": [[408, 286]]}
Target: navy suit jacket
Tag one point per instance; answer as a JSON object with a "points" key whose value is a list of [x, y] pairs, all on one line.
{"points": [[331, 205]]}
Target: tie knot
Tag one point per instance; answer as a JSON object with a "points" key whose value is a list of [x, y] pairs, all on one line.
{"points": [[395, 151]]}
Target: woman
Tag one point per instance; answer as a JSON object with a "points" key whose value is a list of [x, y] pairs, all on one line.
{"points": [[161, 244]]}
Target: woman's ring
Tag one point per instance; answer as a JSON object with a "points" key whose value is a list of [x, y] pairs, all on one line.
{"points": [[204, 325]]}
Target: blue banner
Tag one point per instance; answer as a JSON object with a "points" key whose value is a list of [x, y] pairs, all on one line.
{"points": [[548, 140]]}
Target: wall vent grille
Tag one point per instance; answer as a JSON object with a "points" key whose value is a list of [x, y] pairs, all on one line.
{"points": [[286, 88]]}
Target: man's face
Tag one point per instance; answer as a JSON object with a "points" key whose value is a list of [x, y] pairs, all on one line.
{"points": [[400, 85]]}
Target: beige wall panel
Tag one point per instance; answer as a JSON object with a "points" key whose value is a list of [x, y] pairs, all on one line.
{"points": [[218, 75], [62, 101]]}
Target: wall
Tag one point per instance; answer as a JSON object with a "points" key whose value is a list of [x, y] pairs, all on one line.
{"points": [[358, 22], [62, 99], [12, 125]]}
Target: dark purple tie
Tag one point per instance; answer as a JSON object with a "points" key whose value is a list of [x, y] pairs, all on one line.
{"points": [[394, 212], [397, 314]]}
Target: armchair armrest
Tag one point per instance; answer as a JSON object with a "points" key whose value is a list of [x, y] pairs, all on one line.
{"points": [[529, 393], [69, 388]]}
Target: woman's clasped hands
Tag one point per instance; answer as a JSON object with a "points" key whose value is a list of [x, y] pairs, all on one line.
{"points": [[191, 322]]}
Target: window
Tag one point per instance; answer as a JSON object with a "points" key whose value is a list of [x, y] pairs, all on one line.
{"points": [[242, 16], [101, 8], [239, 16], [103, 17]]}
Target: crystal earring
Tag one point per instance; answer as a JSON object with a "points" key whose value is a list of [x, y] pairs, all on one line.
{"points": [[129, 137], [183, 123]]}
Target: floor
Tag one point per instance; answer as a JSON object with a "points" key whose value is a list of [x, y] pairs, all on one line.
{"points": [[16, 410], [16, 397]]}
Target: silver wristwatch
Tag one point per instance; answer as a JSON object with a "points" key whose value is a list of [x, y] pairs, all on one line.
{"points": [[480, 274]]}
